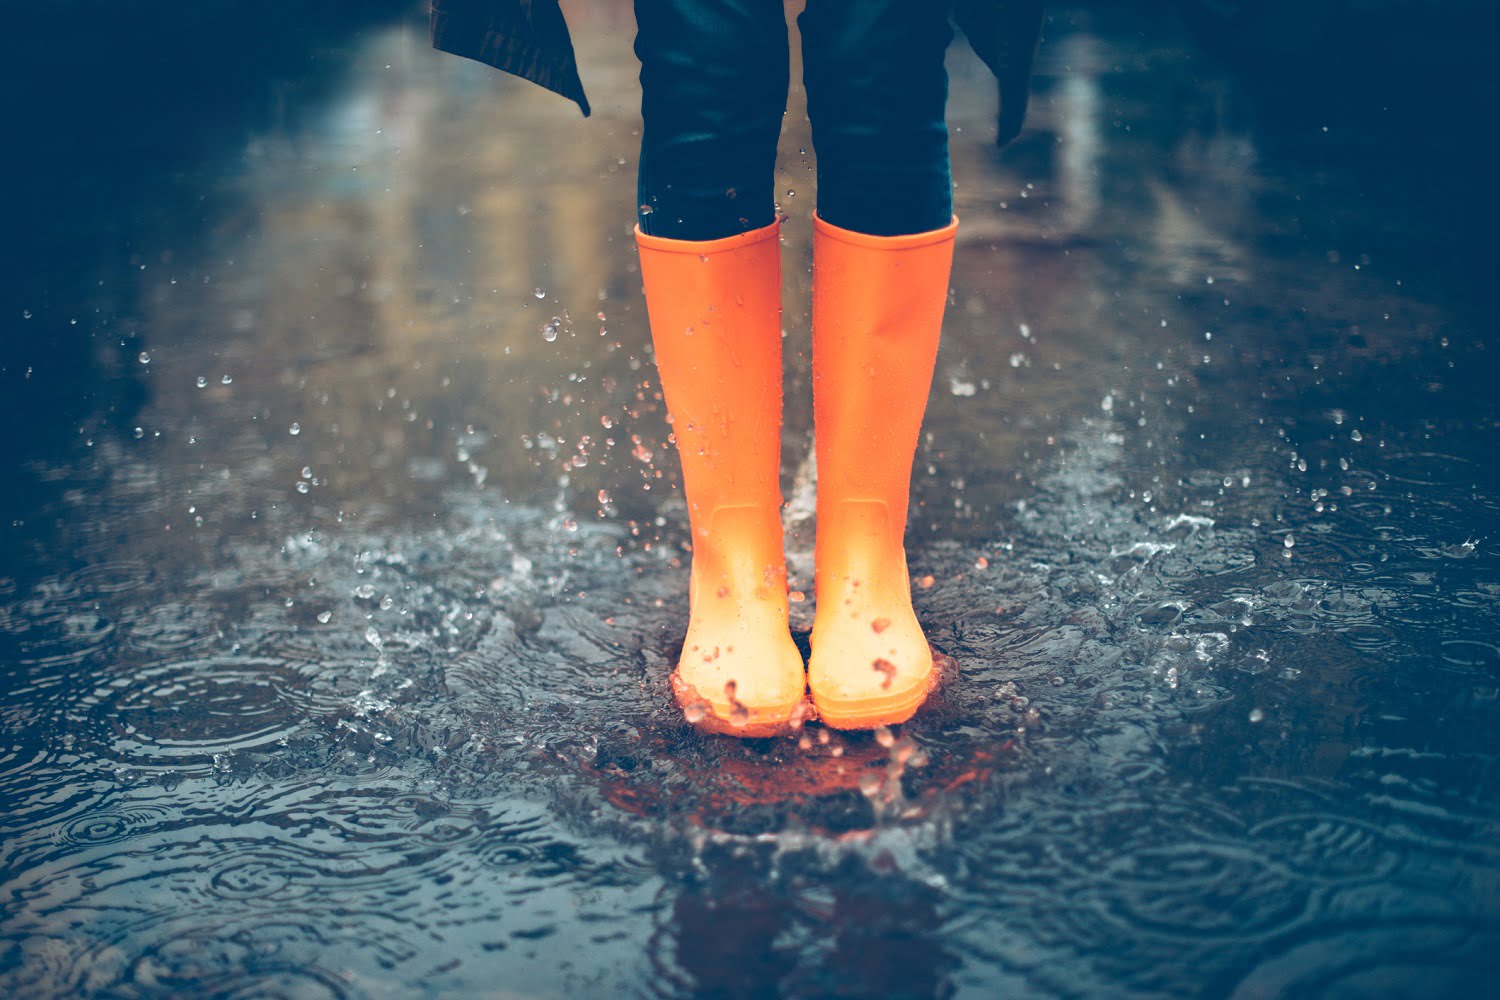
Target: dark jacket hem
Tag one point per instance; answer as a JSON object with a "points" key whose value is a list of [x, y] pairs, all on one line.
{"points": [[479, 40]]}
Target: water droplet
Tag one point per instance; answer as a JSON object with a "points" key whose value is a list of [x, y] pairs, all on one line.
{"points": [[324, 617], [144, 358], [1289, 540], [202, 381], [294, 430], [540, 293], [1257, 715], [227, 379]]}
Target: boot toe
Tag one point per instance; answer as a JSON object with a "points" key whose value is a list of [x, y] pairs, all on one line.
{"points": [[747, 689], [860, 681]]}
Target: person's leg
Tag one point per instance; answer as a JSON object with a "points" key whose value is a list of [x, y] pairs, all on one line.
{"points": [[882, 252], [877, 93], [714, 80]]}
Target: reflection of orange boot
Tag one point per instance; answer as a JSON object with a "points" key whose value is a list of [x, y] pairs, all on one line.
{"points": [[877, 309], [715, 310]]}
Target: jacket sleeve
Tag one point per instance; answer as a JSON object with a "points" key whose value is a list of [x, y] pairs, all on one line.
{"points": [[1004, 34], [528, 38]]}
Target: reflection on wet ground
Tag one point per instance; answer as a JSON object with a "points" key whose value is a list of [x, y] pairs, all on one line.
{"points": [[336, 619]]}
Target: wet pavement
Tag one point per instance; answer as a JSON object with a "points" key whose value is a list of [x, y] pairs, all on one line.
{"points": [[343, 562]]}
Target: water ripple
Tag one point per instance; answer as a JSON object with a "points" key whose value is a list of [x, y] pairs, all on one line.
{"points": [[195, 708]]}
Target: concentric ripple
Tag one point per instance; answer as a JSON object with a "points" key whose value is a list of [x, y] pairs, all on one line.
{"points": [[172, 626], [201, 707], [111, 825]]}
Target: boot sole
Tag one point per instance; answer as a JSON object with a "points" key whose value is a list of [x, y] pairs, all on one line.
{"points": [[870, 713], [777, 720]]}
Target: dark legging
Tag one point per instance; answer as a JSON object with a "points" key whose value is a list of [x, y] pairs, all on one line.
{"points": [[714, 77]]}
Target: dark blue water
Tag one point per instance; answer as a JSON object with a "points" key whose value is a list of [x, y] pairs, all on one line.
{"points": [[344, 558]]}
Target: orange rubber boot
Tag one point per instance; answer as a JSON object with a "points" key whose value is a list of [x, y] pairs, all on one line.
{"points": [[877, 310], [715, 310]]}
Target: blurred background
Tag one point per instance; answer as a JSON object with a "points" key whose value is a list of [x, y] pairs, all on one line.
{"points": [[144, 129]]}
